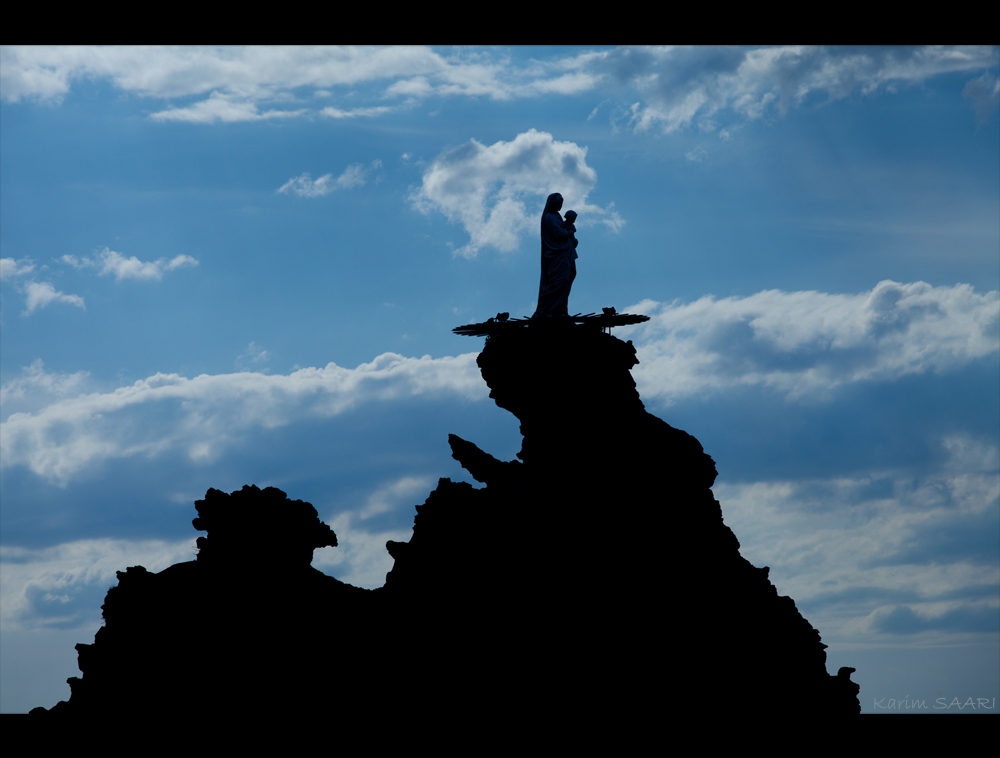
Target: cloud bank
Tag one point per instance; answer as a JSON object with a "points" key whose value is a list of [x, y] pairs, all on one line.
{"points": [[797, 344], [204, 416], [39, 385], [681, 86], [487, 189], [808, 343], [889, 552], [675, 86], [57, 586]]}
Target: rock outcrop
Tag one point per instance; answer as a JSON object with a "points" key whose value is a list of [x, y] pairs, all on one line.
{"points": [[244, 628], [594, 574]]}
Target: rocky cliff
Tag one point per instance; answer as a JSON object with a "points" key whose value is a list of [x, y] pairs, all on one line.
{"points": [[594, 574]]}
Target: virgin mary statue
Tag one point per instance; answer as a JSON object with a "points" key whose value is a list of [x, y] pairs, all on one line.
{"points": [[558, 261]]}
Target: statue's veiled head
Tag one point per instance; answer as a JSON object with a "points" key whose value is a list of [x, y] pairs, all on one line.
{"points": [[553, 203]]}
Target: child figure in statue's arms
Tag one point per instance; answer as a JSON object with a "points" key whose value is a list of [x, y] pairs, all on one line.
{"points": [[571, 225]]}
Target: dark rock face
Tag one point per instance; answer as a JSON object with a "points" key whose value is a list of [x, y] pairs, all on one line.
{"points": [[595, 573], [600, 563]]}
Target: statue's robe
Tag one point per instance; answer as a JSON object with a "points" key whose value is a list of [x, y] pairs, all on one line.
{"points": [[558, 266]]}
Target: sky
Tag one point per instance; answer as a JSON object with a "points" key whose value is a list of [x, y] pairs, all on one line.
{"points": [[229, 266]]}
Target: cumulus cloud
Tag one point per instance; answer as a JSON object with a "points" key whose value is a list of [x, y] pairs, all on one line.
{"points": [[110, 262], [800, 343], [860, 553], [41, 294], [488, 189], [354, 175], [10, 268], [203, 416], [38, 294]]}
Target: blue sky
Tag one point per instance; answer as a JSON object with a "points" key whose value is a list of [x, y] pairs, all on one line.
{"points": [[225, 266]]}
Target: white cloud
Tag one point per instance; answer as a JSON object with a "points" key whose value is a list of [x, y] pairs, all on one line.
{"points": [[360, 557], [810, 342], [237, 80], [9, 268], [57, 585], [390, 497], [984, 93], [415, 87], [254, 354], [220, 107], [683, 85], [857, 547], [41, 294], [486, 188], [171, 72], [354, 175], [678, 85], [203, 416], [331, 112], [305, 186], [696, 155], [795, 343], [38, 386], [567, 84], [133, 268], [111, 262]]}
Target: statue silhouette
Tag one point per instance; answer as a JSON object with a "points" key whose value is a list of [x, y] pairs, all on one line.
{"points": [[558, 260]]}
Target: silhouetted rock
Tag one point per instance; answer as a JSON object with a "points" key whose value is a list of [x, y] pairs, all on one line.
{"points": [[259, 520], [600, 563], [245, 628], [595, 572]]}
